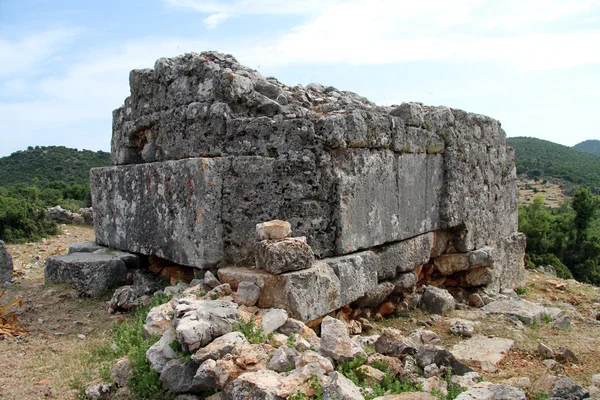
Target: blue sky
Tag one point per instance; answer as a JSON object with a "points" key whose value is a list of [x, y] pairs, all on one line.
{"points": [[532, 64]]}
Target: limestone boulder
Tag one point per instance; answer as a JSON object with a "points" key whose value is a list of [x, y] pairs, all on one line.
{"points": [[339, 387], [161, 352], [288, 254], [273, 230], [437, 300], [335, 341]]}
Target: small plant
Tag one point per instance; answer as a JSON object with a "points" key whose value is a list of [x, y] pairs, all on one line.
{"points": [[547, 318], [521, 290], [291, 340], [539, 396], [253, 332], [434, 149]]}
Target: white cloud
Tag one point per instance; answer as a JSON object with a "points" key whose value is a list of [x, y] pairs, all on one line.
{"points": [[28, 52], [391, 31], [212, 21]]}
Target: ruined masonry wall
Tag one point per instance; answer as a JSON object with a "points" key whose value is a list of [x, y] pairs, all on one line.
{"points": [[205, 148]]}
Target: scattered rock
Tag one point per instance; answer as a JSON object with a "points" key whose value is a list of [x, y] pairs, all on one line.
{"points": [[437, 301], [526, 311], [440, 357], [278, 256], [564, 355], [340, 388], [177, 375], [101, 391], [392, 342], [158, 320], [476, 301], [462, 327], [482, 349], [335, 341], [273, 230], [273, 319], [161, 352], [284, 359], [198, 322], [247, 293], [254, 386], [562, 322], [121, 371], [545, 351], [567, 389], [310, 356], [544, 383], [211, 280], [376, 295], [59, 214], [219, 347]]}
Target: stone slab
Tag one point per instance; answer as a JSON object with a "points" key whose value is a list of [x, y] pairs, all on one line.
{"points": [[482, 349], [90, 274], [170, 209], [403, 256]]}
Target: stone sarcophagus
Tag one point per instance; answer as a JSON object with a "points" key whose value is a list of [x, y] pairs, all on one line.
{"points": [[205, 148]]}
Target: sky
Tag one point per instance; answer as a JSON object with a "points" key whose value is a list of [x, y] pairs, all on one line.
{"points": [[532, 64]]}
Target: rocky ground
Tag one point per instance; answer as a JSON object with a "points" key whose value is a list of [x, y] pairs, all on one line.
{"points": [[56, 358]]}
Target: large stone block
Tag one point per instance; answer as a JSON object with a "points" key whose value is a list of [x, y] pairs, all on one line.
{"points": [[90, 274], [368, 213], [403, 256], [357, 274], [171, 209], [420, 178]]}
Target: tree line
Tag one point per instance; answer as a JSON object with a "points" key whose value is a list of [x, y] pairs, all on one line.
{"points": [[567, 237]]}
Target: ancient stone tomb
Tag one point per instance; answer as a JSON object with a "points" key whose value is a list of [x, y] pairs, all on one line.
{"points": [[386, 198]]}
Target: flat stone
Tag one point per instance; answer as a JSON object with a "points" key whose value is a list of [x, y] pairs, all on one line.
{"points": [[247, 293], [524, 310], [273, 319], [219, 347], [376, 295], [335, 341], [405, 281], [90, 274], [462, 327], [275, 229], [85, 247], [131, 260], [482, 349], [278, 256]]}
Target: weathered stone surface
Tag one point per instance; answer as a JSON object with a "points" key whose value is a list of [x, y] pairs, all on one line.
{"points": [[309, 357], [158, 320], [219, 347], [567, 389], [275, 229], [198, 322], [178, 375], [121, 371], [441, 357], [403, 256], [305, 295], [526, 311], [356, 273], [345, 173], [392, 342], [437, 301], [131, 260], [247, 293], [487, 390], [161, 352], [341, 388], [376, 295], [335, 341], [273, 319], [6, 264], [89, 274], [278, 256], [284, 359], [59, 214], [85, 247], [462, 327], [135, 205], [482, 349], [404, 281], [259, 385], [448, 264]]}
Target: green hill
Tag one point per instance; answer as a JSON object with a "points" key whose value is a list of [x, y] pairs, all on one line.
{"points": [[543, 159], [589, 146], [47, 164]]}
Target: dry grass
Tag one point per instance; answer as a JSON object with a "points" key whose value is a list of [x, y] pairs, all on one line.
{"points": [[553, 194]]}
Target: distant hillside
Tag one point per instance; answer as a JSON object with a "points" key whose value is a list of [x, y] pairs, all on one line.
{"points": [[53, 163], [543, 159], [589, 146]]}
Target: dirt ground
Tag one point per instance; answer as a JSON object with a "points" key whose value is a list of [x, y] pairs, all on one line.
{"points": [[528, 189], [62, 328]]}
